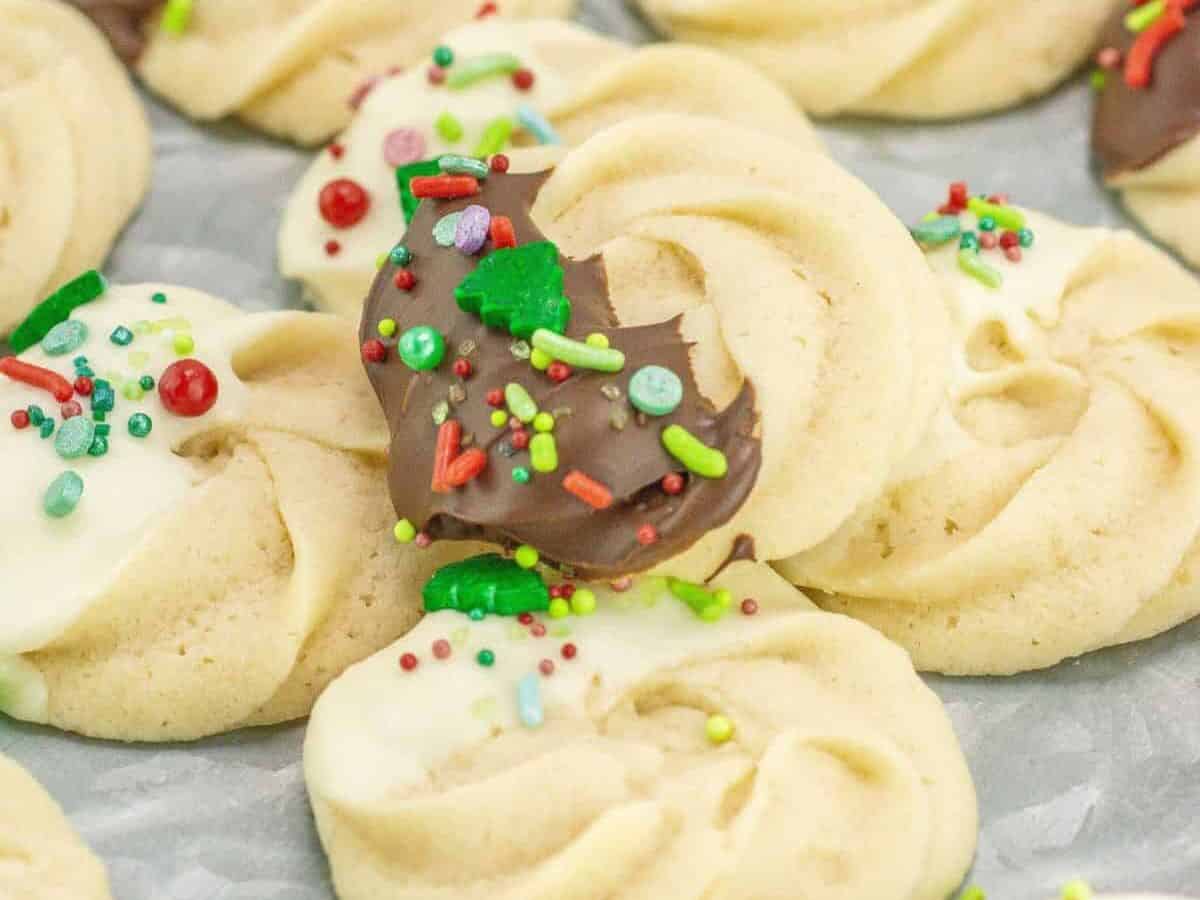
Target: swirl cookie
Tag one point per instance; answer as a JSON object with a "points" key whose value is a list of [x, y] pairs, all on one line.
{"points": [[667, 352], [197, 535], [910, 59], [1055, 506], [74, 151], [291, 69], [636, 751], [579, 82], [40, 856], [1147, 119]]}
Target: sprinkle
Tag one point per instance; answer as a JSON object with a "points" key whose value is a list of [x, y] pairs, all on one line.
{"points": [[63, 495], [408, 661], [441, 649], [449, 440], [471, 231], [526, 556], [46, 428], [576, 354], [655, 390], [103, 397], [936, 231], [443, 56], [718, 729], [529, 701], [476, 614], [374, 351], [404, 280], [583, 602], [647, 534], [969, 240], [543, 453], [1025, 237], [485, 658], [158, 297], [1108, 58], [423, 540], [521, 475], [343, 203], [520, 349], [400, 255], [540, 359], [705, 461], [1013, 254], [35, 414], [75, 437], [65, 337], [558, 371], [749, 607], [596, 339], [448, 127], [487, 9], [498, 418], [1142, 17], [36, 376], [177, 14], [403, 146], [422, 348], [535, 123], [1077, 889], [519, 289], [543, 422], [495, 135], [404, 532], [502, 233], [672, 484], [121, 336], [522, 79], [332, 248], [479, 68], [499, 163], [569, 651], [99, 446], [435, 75], [519, 402], [20, 419], [445, 229], [988, 240], [705, 604], [132, 391], [972, 892], [618, 417], [444, 187], [183, 344], [587, 489], [969, 262], [546, 667], [450, 164], [57, 308], [387, 327], [559, 608], [1004, 216], [611, 392], [467, 466]]}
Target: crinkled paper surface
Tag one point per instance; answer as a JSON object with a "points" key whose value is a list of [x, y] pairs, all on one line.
{"points": [[1089, 770]]}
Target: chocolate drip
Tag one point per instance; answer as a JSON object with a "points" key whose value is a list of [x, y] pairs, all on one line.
{"points": [[123, 23], [743, 550], [1135, 127], [630, 461]]}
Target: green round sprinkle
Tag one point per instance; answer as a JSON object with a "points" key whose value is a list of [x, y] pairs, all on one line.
{"points": [[583, 602], [579, 354], [448, 127], [540, 359], [526, 557], [158, 297], [146, 383], [140, 425], [36, 416], [559, 608], [444, 229], [719, 729], [387, 327], [400, 255], [1025, 236], [183, 344], [121, 336], [476, 614], [499, 418], [705, 461], [543, 422], [543, 452], [422, 348], [47, 427], [655, 390], [937, 231], [80, 362], [99, 446], [132, 390], [443, 56], [404, 532], [519, 403], [75, 437], [987, 223], [63, 495], [968, 241], [485, 658], [65, 337], [596, 339], [521, 475]]}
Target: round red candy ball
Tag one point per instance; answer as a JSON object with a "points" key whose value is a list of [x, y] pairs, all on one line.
{"points": [[558, 372], [568, 591], [672, 484], [441, 648], [404, 279], [546, 667], [373, 351], [462, 368], [522, 79], [749, 606], [83, 386], [19, 419], [343, 203], [520, 439], [408, 662], [71, 409], [647, 535], [569, 651], [500, 163], [537, 629], [188, 388], [495, 397], [332, 248]]}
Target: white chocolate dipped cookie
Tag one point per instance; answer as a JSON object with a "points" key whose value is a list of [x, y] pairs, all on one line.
{"points": [[908, 59], [197, 532], [632, 750], [577, 83], [41, 858], [1054, 508], [74, 151]]}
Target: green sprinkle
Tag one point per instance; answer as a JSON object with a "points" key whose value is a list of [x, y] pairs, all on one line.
{"points": [[495, 136], [422, 348], [85, 371], [404, 532], [63, 495], [57, 308], [707, 605], [519, 289], [1098, 79], [146, 383], [478, 68], [158, 297], [387, 327], [400, 255], [485, 658], [404, 177], [705, 461], [1025, 237], [583, 602], [987, 223], [440, 412], [65, 337], [526, 556], [519, 403], [1004, 216], [937, 231], [102, 428], [36, 416], [99, 416], [80, 362], [132, 391], [443, 56], [521, 475], [543, 453], [543, 422], [140, 425], [540, 359], [578, 354], [1144, 16], [969, 262], [973, 892], [488, 583], [176, 16], [46, 428], [498, 418], [183, 344], [1077, 889], [121, 336], [476, 614], [99, 446], [655, 390], [103, 397], [448, 127], [968, 241], [463, 165], [445, 228], [75, 437], [718, 729]]}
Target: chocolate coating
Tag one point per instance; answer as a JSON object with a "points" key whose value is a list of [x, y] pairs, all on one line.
{"points": [[631, 461], [1135, 127], [123, 23]]}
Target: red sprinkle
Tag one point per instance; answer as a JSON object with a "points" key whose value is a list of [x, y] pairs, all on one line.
{"points": [[83, 386], [422, 540], [1139, 63], [988, 240], [522, 79], [336, 150], [647, 535], [569, 651], [441, 649], [360, 93], [515, 424], [1009, 239], [466, 467], [558, 371], [556, 591], [71, 409], [36, 376], [999, 199], [19, 419], [188, 388], [749, 607], [408, 662], [587, 489], [435, 74], [343, 203], [501, 232], [519, 439], [495, 397], [672, 483], [462, 368], [958, 195], [404, 279], [1108, 58], [332, 248], [527, 618], [568, 591], [537, 629], [499, 163], [444, 187], [373, 351], [487, 9], [1013, 254], [546, 667], [449, 439]]}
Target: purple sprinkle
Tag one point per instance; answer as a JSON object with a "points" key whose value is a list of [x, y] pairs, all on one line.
{"points": [[403, 146], [472, 230]]}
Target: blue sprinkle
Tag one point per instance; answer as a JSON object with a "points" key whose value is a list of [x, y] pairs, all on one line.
{"points": [[535, 123], [529, 701]]}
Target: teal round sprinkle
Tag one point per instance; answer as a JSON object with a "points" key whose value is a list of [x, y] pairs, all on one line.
{"points": [[102, 427], [65, 337], [121, 336], [158, 297], [63, 495], [422, 348], [476, 613], [85, 371], [443, 56], [99, 446], [1025, 236], [75, 437], [521, 475], [36, 416], [443, 231], [80, 361], [47, 427], [987, 223], [486, 658], [140, 425], [146, 382], [968, 241], [400, 255], [655, 390]]}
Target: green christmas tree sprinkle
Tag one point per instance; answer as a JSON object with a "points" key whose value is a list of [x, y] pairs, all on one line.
{"points": [[518, 288], [488, 583]]}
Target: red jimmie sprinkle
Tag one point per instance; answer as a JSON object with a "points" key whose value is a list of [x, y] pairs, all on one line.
{"points": [[404, 279], [1139, 64], [36, 376], [501, 232], [587, 489], [487, 9], [449, 440], [444, 187], [465, 467], [373, 351]]}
